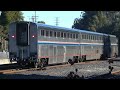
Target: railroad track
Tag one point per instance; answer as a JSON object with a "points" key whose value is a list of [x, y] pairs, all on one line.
{"points": [[15, 69], [113, 75]]}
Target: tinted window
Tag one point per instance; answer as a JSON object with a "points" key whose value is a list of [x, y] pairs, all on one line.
{"points": [[42, 33], [47, 33], [51, 33], [22, 34]]}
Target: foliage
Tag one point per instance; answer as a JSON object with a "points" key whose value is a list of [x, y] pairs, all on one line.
{"points": [[6, 18], [41, 22], [99, 21]]}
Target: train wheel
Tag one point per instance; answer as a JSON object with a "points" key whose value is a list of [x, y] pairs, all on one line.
{"points": [[22, 65], [42, 63], [81, 60], [71, 61], [35, 65]]}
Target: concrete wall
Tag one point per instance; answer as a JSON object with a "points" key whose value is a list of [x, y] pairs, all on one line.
{"points": [[4, 61], [4, 58]]}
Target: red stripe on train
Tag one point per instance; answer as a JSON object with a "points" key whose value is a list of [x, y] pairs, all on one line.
{"points": [[66, 55]]}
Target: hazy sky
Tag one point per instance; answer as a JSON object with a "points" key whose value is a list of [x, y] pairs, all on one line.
{"points": [[65, 18]]}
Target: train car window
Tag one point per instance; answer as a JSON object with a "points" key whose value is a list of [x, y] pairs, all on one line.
{"points": [[93, 37], [97, 38], [76, 36], [86, 36], [61, 34], [22, 34], [82, 36], [112, 40], [65, 35], [51, 33], [58, 34], [42, 32], [89, 37], [71, 35], [55, 34], [100, 38], [47, 33]]}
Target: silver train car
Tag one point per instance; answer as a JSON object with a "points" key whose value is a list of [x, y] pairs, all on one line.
{"points": [[36, 44]]}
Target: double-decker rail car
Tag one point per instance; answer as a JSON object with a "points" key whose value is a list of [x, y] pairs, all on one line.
{"points": [[40, 44]]}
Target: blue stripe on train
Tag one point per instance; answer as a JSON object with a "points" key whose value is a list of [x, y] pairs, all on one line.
{"points": [[69, 44]]}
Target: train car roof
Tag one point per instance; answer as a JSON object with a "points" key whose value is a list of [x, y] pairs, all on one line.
{"points": [[68, 29]]}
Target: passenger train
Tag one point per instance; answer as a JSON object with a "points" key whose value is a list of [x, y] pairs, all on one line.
{"points": [[36, 44]]}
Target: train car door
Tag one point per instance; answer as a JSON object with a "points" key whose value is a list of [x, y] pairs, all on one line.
{"points": [[55, 54], [64, 54], [22, 36]]}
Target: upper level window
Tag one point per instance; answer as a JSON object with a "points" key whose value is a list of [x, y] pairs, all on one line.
{"points": [[64, 35], [61, 34], [58, 34], [55, 34], [82, 36], [67, 35], [47, 33], [71, 35], [42, 32], [76, 36], [51, 33]]}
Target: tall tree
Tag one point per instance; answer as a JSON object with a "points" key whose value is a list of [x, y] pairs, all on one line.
{"points": [[91, 20], [100, 21], [41, 22], [7, 17]]}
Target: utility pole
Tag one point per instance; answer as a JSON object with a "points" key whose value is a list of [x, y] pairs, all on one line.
{"points": [[34, 18], [29, 18], [57, 21]]}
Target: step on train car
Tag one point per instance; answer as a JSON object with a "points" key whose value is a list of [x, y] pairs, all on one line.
{"points": [[36, 44]]}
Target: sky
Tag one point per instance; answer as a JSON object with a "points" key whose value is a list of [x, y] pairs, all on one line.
{"points": [[65, 18]]}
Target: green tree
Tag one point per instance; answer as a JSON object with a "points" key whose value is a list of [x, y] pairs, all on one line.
{"points": [[100, 21], [41, 22], [91, 20], [7, 17]]}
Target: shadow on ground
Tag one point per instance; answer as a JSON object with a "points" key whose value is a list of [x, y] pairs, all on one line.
{"points": [[104, 76], [32, 76], [35, 76]]}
